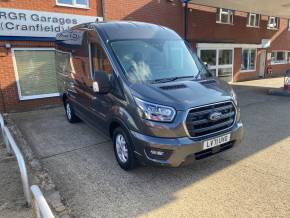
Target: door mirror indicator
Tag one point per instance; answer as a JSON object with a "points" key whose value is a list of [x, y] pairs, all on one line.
{"points": [[96, 86], [101, 83]]}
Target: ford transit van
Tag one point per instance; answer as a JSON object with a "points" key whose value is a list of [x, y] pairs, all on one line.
{"points": [[144, 87]]}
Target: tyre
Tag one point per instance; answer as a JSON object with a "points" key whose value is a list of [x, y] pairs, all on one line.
{"points": [[70, 113], [123, 149]]}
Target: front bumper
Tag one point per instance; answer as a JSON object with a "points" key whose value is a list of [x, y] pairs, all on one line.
{"points": [[177, 151]]}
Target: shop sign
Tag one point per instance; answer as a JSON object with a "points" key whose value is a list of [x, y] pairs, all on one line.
{"points": [[26, 23]]}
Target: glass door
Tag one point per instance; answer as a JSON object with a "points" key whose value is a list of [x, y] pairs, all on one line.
{"points": [[225, 64], [209, 56], [219, 61]]}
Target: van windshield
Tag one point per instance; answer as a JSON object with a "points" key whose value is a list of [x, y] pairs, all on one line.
{"points": [[158, 61]]}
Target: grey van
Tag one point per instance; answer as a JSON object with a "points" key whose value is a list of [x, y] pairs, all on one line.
{"points": [[142, 85]]}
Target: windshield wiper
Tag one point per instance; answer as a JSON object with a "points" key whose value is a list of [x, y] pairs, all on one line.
{"points": [[170, 79]]}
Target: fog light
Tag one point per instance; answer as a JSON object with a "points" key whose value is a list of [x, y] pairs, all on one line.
{"points": [[159, 153]]}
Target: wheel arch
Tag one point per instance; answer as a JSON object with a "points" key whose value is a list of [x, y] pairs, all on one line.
{"points": [[64, 97], [115, 123]]}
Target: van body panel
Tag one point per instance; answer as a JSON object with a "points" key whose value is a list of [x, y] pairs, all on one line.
{"points": [[87, 48], [182, 150], [190, 94]]}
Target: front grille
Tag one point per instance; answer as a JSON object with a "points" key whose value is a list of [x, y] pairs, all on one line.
{"points": [[198, 123]]}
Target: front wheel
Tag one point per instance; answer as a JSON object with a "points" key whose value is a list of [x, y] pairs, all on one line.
{"points": [[70, 113], [124, 150]]}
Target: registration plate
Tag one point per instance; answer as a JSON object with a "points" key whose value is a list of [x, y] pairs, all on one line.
{"points": [[216, 141]]}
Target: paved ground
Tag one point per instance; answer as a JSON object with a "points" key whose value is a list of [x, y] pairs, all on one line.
{"points": [[11, 193], [251, 180]]}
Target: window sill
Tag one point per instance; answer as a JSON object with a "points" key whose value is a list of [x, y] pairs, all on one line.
{"points": [[219, 22], [247, 71], [274, 29], [256, 27], [31, 97], [73, 6], [279, 63]]}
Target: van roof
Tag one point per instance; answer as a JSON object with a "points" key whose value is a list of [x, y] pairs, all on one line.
{"points": [[124, 30]]}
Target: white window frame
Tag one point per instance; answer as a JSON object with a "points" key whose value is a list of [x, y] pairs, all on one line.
{"points": [[249, 58], [218, 66], [74, 4], [255, 19], [17, 75], [228, 12], [285, 61], [287, 56], [276, 21]]}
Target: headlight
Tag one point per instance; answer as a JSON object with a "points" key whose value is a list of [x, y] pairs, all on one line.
{"points": [[234, 96], [155, 112], [235, 99]]}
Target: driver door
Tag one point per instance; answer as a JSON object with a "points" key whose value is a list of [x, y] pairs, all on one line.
{"points": [[100, 104]]}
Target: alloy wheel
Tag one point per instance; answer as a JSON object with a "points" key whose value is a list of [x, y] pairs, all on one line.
{"points": [[121, 148]]}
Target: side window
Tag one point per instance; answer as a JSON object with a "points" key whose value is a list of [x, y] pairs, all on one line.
{"points": [[99, 60]]}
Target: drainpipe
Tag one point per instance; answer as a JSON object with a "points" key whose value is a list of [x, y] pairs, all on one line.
{"points": [[103, 9], [185, 18], [2, 99]]}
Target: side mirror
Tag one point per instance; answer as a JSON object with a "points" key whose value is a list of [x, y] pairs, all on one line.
{"points": [[205, 64], [101, 83]]}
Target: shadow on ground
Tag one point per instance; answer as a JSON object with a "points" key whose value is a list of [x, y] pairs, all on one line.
{"points": [[82, 164]]}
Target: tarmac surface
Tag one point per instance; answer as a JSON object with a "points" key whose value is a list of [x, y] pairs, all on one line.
{"points": [[251, 180]]}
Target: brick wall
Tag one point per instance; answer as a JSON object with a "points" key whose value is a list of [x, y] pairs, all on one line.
{"points": [[280, 69], [204, 29], [9, 92], [163, 12], [50, 5], [8, 83]]}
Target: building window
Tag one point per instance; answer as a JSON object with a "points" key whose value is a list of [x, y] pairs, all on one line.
{"points": [[225, 57], [208, 57], [35, 73], [273, 23], [288, 56], [249, 59], [225, 16], [73, 3], [279, 57], [253, 20]]}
